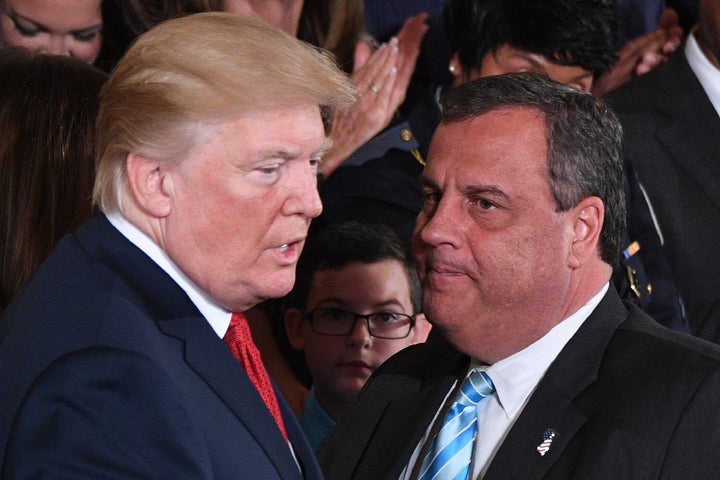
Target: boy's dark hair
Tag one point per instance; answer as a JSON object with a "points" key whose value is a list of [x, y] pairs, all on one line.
{"points": [[569, 32], [341, 244]]}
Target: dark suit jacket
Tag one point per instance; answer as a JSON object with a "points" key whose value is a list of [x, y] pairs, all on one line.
{"points": [[628, 399], [109, 371], [672, 138]]}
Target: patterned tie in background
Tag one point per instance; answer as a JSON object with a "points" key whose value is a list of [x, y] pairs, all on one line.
{"points": [[239, 339], [451, 451]]}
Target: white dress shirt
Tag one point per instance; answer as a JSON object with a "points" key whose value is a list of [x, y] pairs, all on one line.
{"points": [[515, 379], [217, 316], [707, 74]]}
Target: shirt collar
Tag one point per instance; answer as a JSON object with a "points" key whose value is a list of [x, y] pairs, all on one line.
{"points": [[517, 376], [217, 316], [707, 74]]}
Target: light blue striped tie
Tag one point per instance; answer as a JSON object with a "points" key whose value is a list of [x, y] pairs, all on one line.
{"points": [[451, 451]]}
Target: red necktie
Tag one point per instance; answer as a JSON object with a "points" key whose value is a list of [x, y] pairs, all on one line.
{"points": [[241, 344]]}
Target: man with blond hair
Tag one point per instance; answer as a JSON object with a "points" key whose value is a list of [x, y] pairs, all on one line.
{"points": [[127, 354]]}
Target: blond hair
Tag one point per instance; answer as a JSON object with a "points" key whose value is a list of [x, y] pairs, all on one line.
{"points": [[198, 70]]}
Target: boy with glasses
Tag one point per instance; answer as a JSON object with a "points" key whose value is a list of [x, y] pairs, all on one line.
{"points": [[355, 303]]}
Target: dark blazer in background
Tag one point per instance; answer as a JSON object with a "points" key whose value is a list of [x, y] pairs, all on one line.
{"points": [[629, 399], [110, 371], [672, 138]]}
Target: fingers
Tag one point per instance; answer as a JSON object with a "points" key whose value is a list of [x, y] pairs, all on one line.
{"points": [[413, 30], [409, 39], [669, 19], [377, 68], [642, 54], [363, 52], [669, 24]]}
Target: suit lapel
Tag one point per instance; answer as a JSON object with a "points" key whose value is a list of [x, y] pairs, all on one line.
{"points": [[407, 416], [177, 316], [692, 136], [208, 356], [552, 405]]}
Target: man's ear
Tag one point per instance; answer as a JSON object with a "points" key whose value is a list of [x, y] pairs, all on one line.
{"points": [[294, 325], [148, 184], [588, 218]]}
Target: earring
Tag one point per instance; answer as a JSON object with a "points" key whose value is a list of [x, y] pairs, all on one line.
{"points": [[451, 67]]}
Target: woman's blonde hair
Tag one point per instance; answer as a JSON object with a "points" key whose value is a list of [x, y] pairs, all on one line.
{"points": [[198, 70]]}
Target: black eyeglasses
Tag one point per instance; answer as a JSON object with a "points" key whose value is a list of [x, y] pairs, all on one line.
{"points": [[338, 322]]}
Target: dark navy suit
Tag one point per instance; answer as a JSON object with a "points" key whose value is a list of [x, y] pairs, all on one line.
{"points": [[109, 371]]}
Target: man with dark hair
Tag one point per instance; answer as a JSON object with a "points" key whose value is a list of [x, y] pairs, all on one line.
{"points": [[572, 42], [356, 302], [543, 371]]}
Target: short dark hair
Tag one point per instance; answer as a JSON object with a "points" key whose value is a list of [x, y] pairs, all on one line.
{"points": [[567, 32], [349, 242], [584, 139]]}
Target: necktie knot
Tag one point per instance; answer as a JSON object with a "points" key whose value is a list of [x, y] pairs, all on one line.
{"points": [[476, 387]]}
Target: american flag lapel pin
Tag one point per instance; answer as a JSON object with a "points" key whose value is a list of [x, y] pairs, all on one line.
{"points": [[547, 439]]}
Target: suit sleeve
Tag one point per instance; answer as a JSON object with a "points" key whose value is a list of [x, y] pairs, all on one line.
{"points": [[104, 413], [693, 449]]}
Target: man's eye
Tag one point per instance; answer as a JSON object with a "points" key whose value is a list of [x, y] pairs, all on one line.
{"points": [[484, 203], [431, 197], [315, 164], [269, 169]]}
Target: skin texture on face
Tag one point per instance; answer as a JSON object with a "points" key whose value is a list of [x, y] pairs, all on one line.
{"points": [[235, 213], [508, 59], [340, 365], [58, 27], [494, 256]]}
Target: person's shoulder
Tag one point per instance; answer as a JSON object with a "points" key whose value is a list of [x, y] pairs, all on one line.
{"points": [[684, 351], [643, 91], [435, 355]]}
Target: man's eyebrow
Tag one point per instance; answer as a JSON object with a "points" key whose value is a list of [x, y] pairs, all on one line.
{"points": [[290, 153], [426, 182], [484, 190], [324, 147]]}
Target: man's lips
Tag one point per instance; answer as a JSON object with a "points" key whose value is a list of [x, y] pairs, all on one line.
{"points": [[443, 270]]}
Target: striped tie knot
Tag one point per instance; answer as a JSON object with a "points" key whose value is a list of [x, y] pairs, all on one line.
{"points": [[476, 387]]}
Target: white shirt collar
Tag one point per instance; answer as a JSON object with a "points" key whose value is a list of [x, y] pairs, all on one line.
{"points": [[517, 376], [707, 74], [217, 316]]}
